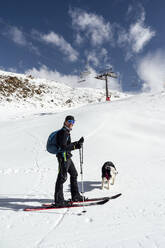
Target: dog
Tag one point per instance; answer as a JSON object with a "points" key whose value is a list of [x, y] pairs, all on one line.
{"points": [[109, 173]]}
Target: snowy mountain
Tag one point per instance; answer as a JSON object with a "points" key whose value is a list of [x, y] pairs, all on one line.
{"points": [[21, 94], [129, 132]]}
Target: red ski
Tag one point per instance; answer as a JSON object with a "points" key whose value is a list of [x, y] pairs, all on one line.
{"points": [[88, 202]]}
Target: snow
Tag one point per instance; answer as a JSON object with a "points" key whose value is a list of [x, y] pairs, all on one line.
{"points": [[39, 95], [129, 132]]}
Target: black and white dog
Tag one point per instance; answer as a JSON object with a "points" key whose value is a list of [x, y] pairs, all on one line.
{"points": [[109, 173]]}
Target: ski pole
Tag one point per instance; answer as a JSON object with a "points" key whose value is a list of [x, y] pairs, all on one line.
{"points": [[81, 172]]}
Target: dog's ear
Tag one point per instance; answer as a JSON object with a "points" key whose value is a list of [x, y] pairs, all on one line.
{"points": [[112, 165]]}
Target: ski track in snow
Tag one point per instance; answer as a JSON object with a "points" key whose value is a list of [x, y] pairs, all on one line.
{"points": [[95, 131], [40, 243]]}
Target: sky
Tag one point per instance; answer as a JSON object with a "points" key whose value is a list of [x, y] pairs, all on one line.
{"points": [[60, 40]]}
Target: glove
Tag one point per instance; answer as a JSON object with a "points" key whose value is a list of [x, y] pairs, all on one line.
{"points": [[81, 141], [78, 145]]}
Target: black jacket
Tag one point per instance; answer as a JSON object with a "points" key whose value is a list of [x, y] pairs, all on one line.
{"points": [[63, 140]]}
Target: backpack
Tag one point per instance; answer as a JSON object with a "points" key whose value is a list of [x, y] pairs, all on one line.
{"points": [[51, 146]]}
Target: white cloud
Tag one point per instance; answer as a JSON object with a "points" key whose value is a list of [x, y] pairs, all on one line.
{"points": [[72, 80], [151, 71], [139, 35], [17, 36], [33, 48], [12, 69], [63, 45], [2, 68], [97, 57], [130, 9], [92, 58], [93, 26], [136, 37], [79, 39], [104, 55], [45, 72]]}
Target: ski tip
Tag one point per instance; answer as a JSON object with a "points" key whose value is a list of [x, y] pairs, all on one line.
{"points": [[119, 194], [115, 196]]}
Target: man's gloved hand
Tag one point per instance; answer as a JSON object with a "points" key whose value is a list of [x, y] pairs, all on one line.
{"points": [[81, 140], [79, 143]]}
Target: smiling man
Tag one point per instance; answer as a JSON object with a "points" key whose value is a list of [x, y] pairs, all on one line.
{"points": [[66, 164]]}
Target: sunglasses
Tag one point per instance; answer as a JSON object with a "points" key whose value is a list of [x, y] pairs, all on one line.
{"points": [[71, 121]]}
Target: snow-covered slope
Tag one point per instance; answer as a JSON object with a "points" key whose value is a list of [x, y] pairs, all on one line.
{"points": [[21, 95], [130, 133]]}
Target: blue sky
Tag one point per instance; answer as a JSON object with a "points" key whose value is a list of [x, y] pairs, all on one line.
{"points": [[58, 39]]}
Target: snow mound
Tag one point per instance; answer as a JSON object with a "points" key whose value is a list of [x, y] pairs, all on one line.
{"points": [[21, 93]]}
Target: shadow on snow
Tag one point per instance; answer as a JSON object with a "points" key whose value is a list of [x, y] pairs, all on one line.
{"points": [[18, 204], [90, 185]]}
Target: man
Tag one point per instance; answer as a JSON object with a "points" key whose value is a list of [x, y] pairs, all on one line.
{"points": [[66, 164]]}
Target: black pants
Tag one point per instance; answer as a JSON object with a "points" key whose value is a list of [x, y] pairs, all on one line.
{"points": [[64, 168]]}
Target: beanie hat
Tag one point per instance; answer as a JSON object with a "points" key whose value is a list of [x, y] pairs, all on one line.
{"points": [[69, 117]]}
